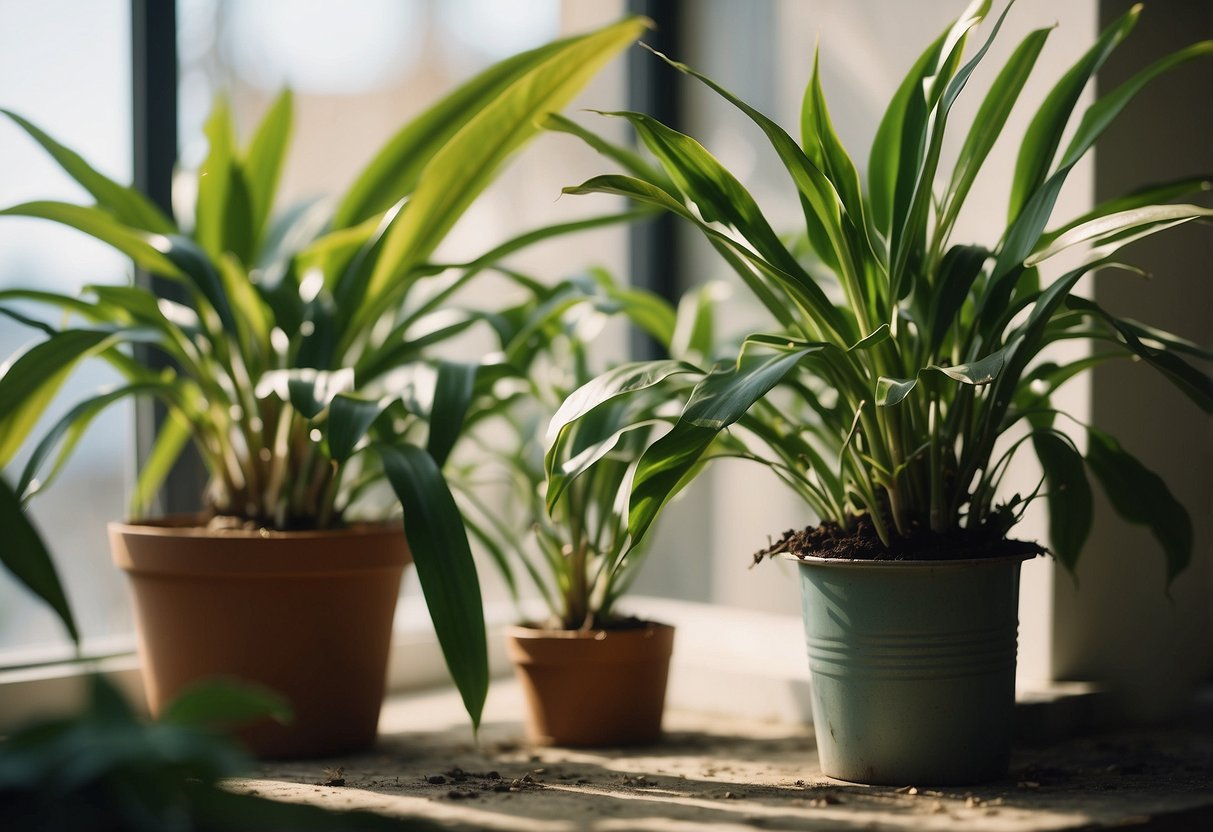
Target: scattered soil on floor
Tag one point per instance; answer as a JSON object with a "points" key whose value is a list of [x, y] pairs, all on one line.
{"points": [[829, 540]]}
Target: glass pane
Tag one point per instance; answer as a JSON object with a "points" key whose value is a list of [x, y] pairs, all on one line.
{"points": [[81, 96]]}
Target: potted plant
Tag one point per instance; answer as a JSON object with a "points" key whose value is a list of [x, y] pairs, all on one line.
{"points": [[894, 413], [591, 674], [303, 371]]}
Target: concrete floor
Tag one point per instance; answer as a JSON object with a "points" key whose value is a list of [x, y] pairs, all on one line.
{"points": [[728, 774]]}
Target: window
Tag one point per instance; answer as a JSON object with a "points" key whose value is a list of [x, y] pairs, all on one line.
{"points": [[66, 67]]}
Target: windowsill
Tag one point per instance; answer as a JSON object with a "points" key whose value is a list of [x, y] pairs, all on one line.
{"points": [[731, 772], [728, 662]]}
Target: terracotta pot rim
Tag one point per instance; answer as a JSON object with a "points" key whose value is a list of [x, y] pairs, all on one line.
{"points": [[172, 548], [534, 633], [870, 563], [191, 526]]}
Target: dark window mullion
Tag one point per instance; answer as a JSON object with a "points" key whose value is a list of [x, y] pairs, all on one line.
{"points": [[154, 114], [653, 88]]}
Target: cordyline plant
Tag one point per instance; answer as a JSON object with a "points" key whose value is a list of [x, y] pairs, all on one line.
{"points": [[938, 348], [302, 350], [574, 555]]}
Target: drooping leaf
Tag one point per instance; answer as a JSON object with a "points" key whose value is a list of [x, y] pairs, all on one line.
{"points": [[1110, 225], [445, 567], [24, 555], [1069, 495], [28, 384], [628, 159], [1141, 497], [147, 250], [718, 401], [1196, 384], [69, 429], [126, 204], [1155, 194]]}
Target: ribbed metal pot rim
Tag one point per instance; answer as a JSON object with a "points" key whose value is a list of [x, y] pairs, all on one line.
{"points": [[870, 563]]}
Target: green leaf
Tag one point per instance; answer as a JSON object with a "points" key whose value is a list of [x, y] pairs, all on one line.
{"points": [[307, 389], [1043, 136], [264, 161], [221, 703], [174, 434], [628, 159], [815, 188], [694, 324], [350, 417], [1069, 495], [445, 567], [718, 401], [990, 119], [147, 250], [31, 381], [454, 387], [611, 385], [396, 169], [890, 391], [1196, 384], [127, 205], [223, 217], [1149, 195], [466, 164], [1141, 497], [958, 270], [1111, 225], [805, 294], [709, 185], [26, 558], [884, 161], [72, 426]]}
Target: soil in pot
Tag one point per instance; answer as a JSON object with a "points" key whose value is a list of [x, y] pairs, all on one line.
{"points": [[593, 688], [829, 540], [306, 614]]}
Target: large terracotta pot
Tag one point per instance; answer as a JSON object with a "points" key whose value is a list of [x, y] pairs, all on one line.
{"points": [[593, 688], [306, 614]]}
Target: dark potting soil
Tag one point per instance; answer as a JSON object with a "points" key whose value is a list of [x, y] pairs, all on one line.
{"points": [[829, 540], [612, 624]]}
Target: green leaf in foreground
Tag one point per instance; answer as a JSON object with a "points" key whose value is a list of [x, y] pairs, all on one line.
{"points": [[24, 555], [445, 568]]}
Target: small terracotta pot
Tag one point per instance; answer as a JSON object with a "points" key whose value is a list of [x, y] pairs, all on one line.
{"points": [[306, 614], [593, 688]]}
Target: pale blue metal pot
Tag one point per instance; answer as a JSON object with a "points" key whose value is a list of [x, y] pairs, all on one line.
{"points": [[912, 666]]}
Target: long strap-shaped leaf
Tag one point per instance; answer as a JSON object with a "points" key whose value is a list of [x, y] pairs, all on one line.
{"points": [[126, 204], [717, 402], [465, 165], [394, 172], [1025, 232], [445, 568], [24, 555], [1142, 497], [30, 382]]}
